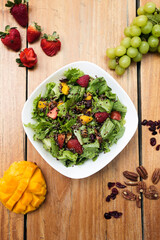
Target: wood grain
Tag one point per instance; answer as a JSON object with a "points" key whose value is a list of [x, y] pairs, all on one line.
{"points": [[12, 98], [74, 209], [150, 94]]}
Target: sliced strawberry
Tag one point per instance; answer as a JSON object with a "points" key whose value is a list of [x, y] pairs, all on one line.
{"points": [[50, 44], [19, 11], [61, 138], [116, 115], [74, 144], [11, 38], [33, 32], [101, 116], [83, 81], [28, 58], [53, 113]]}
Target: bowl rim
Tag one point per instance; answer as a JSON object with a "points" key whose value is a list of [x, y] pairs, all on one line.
{"points": [[39, 149]]}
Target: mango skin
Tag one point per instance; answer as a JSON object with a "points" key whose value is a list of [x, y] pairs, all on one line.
{"points": [[22, 187]]}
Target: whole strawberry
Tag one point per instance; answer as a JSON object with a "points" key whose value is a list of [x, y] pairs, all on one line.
{"points": [[28, 58], [19, 11], [11, 38], [33, 32], [50, 44]]}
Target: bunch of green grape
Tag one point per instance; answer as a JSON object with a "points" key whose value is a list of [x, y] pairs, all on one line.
{"points": [[141, 37]]}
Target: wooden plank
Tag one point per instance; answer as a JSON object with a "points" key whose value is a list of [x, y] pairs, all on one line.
{"points": [[74, 209], [150, 95], [12, 98]]}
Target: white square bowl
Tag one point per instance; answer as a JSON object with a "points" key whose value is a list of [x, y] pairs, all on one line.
{"points": [[89, 167]]}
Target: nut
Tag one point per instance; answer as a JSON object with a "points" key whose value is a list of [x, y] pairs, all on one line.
{"points": [[128, 195], [130, 175], [141, 187], [156, 176], [69, 135], [138, 201], [152, 193], [84, 133], [142, 172], [129, 183]]}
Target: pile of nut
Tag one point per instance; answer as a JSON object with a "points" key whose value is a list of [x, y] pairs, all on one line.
{"points": [[150, 192]]}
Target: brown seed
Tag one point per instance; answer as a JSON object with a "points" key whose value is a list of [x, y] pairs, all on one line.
{"points": [[152, 193], [128, 195], [100, 140], [142, 172], [141, 187], [130, 175], [156, 176], [138, 201], [129, 183]]}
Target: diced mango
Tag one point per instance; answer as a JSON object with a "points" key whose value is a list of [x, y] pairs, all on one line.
{"points": [[89, 110], [65, 88], [36, 201], [26, 198], [60, 103], [19, 207], [42, 104], [85, 119], [89, 96]]}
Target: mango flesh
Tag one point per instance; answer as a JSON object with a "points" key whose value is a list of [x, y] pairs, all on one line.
{"points": [[22, 187]]}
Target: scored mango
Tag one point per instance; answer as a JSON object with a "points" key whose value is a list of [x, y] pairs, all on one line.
{"points": [[23, 187]]}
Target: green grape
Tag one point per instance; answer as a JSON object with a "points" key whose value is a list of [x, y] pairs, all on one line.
{"points": [[140, 11], [156, 30], [112, 63], [158, 49], [132, 52], [138, 57], [120, 51], [144, 47], [111, 53], [147, 28], [135, 42], [119, 70], [127, 32], [135, 31], [150, 7], [153, 41], [124, 61], [126, 42], [154, 49], [141, 20]]}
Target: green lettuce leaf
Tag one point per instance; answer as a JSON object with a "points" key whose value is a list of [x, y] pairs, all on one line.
{"points": [[101, 105], [73, 74], [49, 90], [118, 106], [68, 158], [107, 128]]}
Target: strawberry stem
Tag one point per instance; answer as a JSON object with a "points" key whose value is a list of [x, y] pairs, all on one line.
{"points": [[52, 37]]}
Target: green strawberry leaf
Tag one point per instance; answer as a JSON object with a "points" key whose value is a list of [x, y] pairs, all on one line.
{"points": [[9, 4], [18, 60], [18, 1]]}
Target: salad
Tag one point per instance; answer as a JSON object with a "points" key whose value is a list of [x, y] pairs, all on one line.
{"points": [[77, 118]]}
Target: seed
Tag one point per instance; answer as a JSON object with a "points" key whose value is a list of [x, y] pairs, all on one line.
{"points": [[108, 198], [153, 141]]}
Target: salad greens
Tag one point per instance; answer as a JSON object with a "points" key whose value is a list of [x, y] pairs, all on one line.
{"points": [[78, 118]]}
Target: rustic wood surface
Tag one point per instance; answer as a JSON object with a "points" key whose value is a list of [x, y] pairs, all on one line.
{"points": [[74, 209]]}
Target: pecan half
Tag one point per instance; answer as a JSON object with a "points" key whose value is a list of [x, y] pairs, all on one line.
{"points": [[142, 172], [129, 183], [130, 175], [128, 195], [84, 133], [141, 187], [156, 176], [152, 193], [138, 201]]}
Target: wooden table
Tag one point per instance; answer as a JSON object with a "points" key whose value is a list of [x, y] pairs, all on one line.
{"points": [[74, 209]]}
